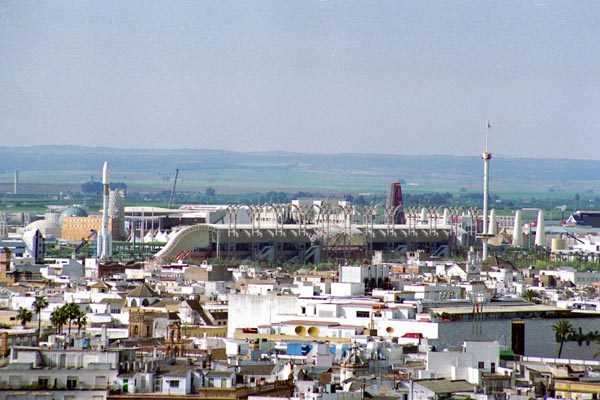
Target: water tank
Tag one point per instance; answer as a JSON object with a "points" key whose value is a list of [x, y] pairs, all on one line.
{"points": [[313, 331], [300, 330], [558, 244]]}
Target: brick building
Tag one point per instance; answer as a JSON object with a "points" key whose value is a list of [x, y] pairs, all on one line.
{"points": [[78, 228]]}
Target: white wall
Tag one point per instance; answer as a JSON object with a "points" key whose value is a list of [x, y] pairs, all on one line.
{"points": [[345, 289], [247, 310], [259, 289]]}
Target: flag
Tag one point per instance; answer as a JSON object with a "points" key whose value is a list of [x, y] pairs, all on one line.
{"points": [[488, 125]]}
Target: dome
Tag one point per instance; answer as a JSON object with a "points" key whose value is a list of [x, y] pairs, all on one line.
{"points": [[72, 211], [46, 227]]}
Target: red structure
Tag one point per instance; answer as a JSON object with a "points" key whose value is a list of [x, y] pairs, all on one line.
{"points": [[394, 202]]}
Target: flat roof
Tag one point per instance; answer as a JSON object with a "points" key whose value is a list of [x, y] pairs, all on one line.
{"points": [[446, 386], [489, 308]]}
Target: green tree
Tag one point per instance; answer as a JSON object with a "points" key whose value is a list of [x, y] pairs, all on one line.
{"points": [[39, 304], [80, 320], [58, 318], [24, 316], [562, 330], [531, 296], [72, 312]]}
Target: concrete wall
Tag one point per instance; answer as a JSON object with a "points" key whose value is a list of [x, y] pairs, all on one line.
{"points": [[486, 352], [352, 273], [441, 362], [344, 289], [252, 310], [539, 336], [402, 327]]}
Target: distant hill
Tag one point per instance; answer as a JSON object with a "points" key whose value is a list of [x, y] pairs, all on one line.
{"points": [[229, 170]]}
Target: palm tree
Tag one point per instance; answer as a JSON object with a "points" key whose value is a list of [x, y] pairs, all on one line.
{"points": [[24, 316], [58, 318], [562, 329], [80, 320], [72, 310], [531, 296], [39, 304]]}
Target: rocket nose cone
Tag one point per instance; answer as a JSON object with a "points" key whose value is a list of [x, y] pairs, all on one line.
{"points": [[105, 173]]}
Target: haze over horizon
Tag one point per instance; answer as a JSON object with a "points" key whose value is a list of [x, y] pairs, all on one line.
{"points": [[408, 77]]}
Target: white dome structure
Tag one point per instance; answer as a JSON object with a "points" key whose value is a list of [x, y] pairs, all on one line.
{"points": [[48, 228]]}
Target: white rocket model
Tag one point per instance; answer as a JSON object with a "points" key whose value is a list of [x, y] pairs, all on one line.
{"points": [[517, 231], [540, 230], [105, 238]]}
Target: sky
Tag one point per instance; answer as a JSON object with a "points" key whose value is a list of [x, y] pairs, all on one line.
{"points": [[391, 77]]}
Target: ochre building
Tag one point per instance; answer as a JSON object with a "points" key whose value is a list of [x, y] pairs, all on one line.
{"points": [[78, 228]]}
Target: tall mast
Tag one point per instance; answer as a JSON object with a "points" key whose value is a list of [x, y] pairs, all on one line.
{"points": [[486, 157]]}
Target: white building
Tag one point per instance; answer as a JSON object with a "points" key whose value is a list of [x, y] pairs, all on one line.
{"points": [[74, 373], [476, 358]]}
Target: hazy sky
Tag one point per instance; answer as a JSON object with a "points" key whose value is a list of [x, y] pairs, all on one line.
{"points": [[399, 77]]}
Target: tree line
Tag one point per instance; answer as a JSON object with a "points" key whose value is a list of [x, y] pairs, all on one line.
{"points": [[68, 314]]}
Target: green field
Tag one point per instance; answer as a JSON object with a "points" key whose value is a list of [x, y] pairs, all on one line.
{"points": [[55, 174]]}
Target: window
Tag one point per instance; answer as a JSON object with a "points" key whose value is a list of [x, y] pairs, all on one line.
{"points": [[71, 382], [173, 384], [480, 365], [43, 382], [362, 314]]}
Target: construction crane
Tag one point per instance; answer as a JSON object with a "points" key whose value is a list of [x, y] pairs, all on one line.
{"points": [[572, 237], [174, 186]]}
